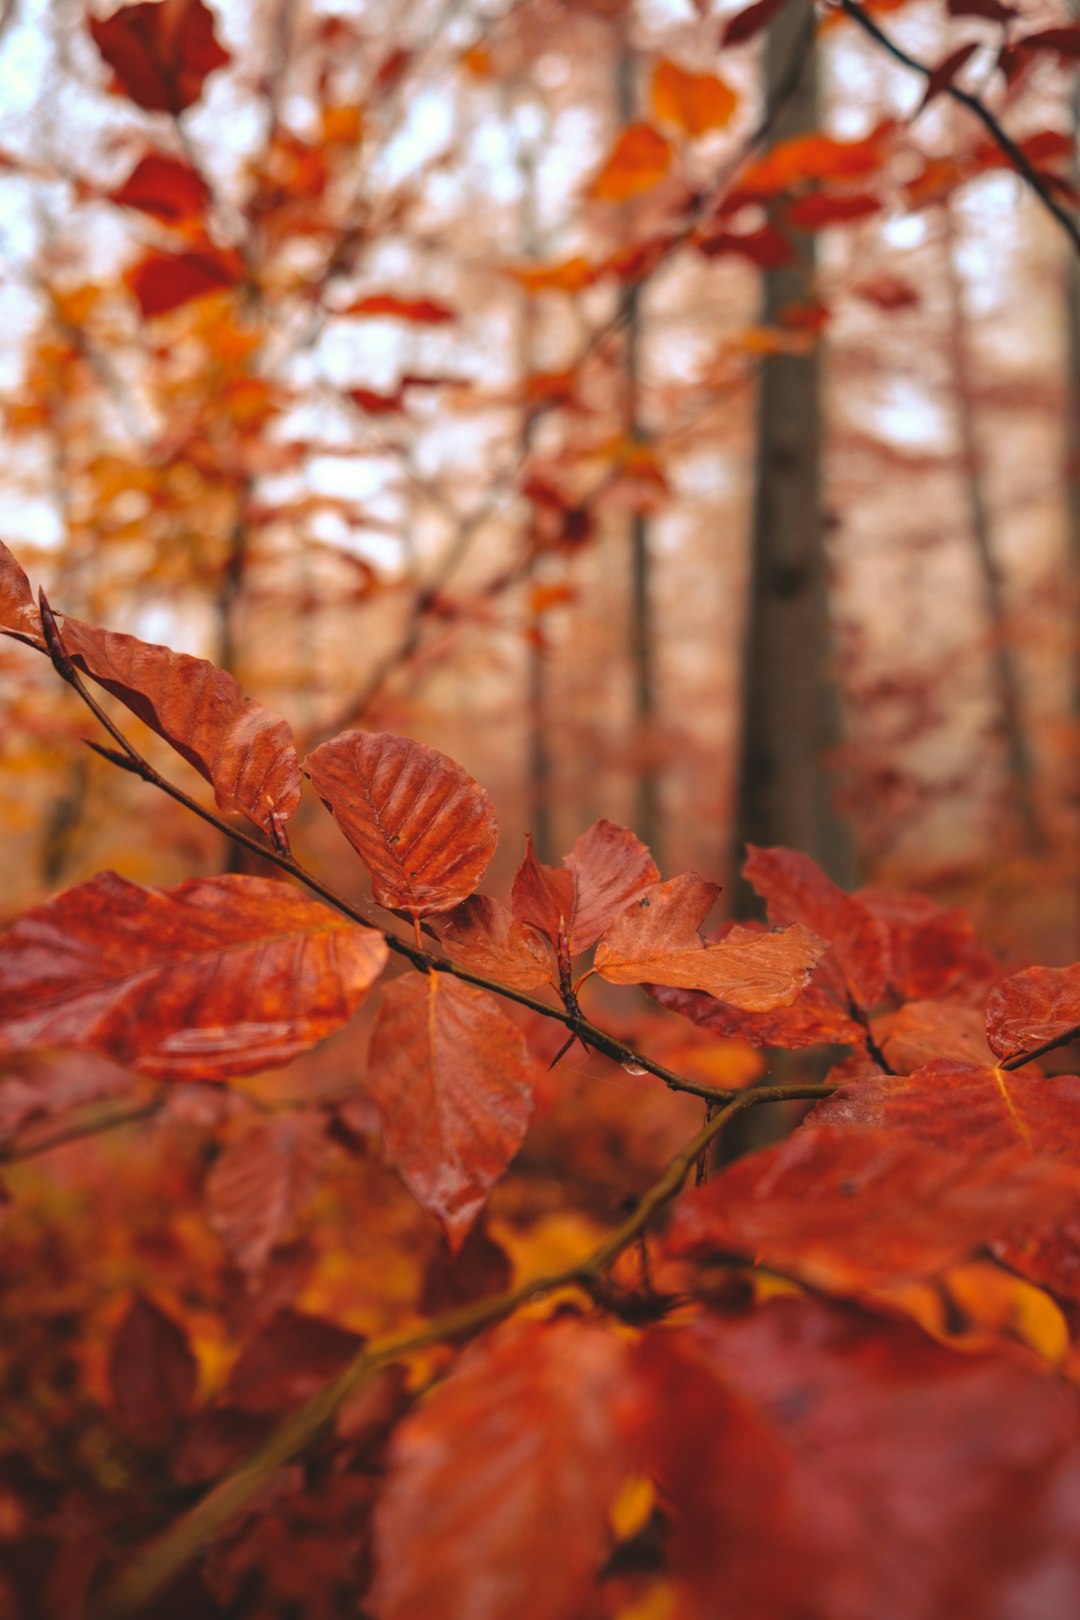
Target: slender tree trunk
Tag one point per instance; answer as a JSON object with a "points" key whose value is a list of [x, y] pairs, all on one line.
{"points": [[647, 814], [790, 707], [1019, 761]]}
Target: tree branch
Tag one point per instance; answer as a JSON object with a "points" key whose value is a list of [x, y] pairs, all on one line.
{"points": [[1015, 153], [179, 1545]]}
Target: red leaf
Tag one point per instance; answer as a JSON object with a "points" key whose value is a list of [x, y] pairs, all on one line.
{"points": [[543, 897], [894, 1476], [160, 54], [162, 282], [822, 209], [152, 1372], [499, 1484], [989, 10], [746, 25], [656, 941], [167, 188], [486, 939], [924, 1030], [606, 869], [19, 616], [452, 1079], [419, 311], [766, 247], [288, 1361], [215, 977], [244, 750], [1064, 42], [932, 952], [261, 1182], [638, 161], [943, 75], [795, 889], [851, 1209], [1033, 1008], [888, 292], [814, 1018], [422, 827], [366, 399]]}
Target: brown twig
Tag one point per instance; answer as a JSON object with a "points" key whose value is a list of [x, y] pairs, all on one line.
{"points": [[179, 1545]]}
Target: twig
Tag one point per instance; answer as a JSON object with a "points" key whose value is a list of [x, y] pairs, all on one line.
{"points": [[964, 98], [92, 1125], [179, 1545]]}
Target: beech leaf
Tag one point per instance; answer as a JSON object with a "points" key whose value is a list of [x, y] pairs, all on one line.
{"points": [[520, 1531], [162, 282], [452, 1079], [795, 889], [694, 103], [260, 1183], [166, 188], [638, 161], [160, 55], [19, 615], [422, 827], [813, 1019], [152, 1372], [607, 868], [216, 977], [655, 941], [1032, 1009], [895, 1476], [483, 936]]}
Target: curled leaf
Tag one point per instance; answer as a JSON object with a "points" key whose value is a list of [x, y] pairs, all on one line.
{"points": [[1033, 1009]]}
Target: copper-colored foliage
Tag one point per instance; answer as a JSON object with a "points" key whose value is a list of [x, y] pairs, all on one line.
{"points": [[920, 1031], [215, 977], [261, 1181], [607, 868], [967, 1108], [152, 1372], [417, 311], [795, 889], [693, 103], [162, 282], [851, 1208], [19, 614], [1033, 1008], [521, 1532], [895, 1477], [638, 161], [166, 187], [656, 941], [289, 1360], [244, 750], [746, 25], [932, 952], [483, 936], [422, 827], [160, 55], [453, 1081], [814, 1018]]}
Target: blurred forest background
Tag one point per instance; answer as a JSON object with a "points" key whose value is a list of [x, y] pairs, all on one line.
{"points": [[668, 426]]}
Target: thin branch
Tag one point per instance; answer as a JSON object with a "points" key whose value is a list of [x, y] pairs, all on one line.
{"points": [[1015, 153], [95, 1124], [179, 1545]]}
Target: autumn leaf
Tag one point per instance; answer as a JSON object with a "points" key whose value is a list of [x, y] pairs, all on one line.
{"points": [[920, 1031], [656, 941], [945, 72], [1036, 1008], [165, 187], [848, 1436], [452, 1079], [485, 938], [162, 282], [422, 827], [160, 54], [417, 311], [747, 24], [822, 209], [290, 1358], [261, 1181], [19, 615], [933, 952], [572, 904], [851, 1208], [638, 161], [815, 1018], [795, 889], [517, 1529], [694, 103], [244, 750], [152, 1373], [216, 977]]}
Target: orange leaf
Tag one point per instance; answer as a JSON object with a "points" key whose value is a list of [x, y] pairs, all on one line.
{"points": [[795, 889], [570, 276], [1033, 1008], [152, 1373], [498, 1485], [162, 282], [486, 939], [261, 1181], [452, 1079], [656, 941], [160, 54], [215, 977], [19, 616], [244, 750], [817, 157], [850, 1208], [813, 1019], [420, 311], [167, 188], [606, 869], [638, 161], [422, 827], [920, 1031], [692, 102]]}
